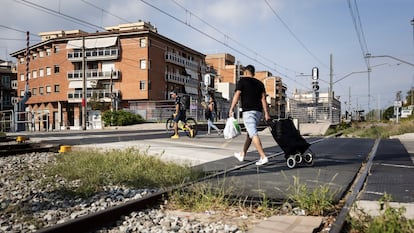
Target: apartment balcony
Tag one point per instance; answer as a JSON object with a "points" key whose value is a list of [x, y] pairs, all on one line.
{"points": [[95, 74], [181, 61], [180, 79], [97, 54], [100, 95]]}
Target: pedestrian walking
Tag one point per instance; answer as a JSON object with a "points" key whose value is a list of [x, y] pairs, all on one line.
{"points": [[211, 114], [252, 93], [179, 115]]}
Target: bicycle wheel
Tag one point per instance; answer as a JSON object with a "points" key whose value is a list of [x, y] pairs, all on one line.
{"points": [[193, 125], [169, 125]]}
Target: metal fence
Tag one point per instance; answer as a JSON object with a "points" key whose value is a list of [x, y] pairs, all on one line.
{"points": [[11, 121], [309, 112]]}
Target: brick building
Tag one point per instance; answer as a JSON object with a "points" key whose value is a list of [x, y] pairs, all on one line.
{"points": [[7, 85], [228, 72], [129, 66]]}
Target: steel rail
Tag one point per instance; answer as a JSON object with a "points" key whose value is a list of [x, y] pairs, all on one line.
{"points": [[355, 189]]}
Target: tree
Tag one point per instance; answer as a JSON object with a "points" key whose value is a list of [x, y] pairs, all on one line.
{"points": [[409, 98], [388, 113]]}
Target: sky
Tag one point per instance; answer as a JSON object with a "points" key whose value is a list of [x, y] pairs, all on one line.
{"points": [[285, 37]]}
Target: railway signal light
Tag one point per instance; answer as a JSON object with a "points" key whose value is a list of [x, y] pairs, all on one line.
{"points": [[315, 85], [315, 73]]}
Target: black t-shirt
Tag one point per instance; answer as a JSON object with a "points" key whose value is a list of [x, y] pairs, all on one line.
{"points": [[251, 93]]}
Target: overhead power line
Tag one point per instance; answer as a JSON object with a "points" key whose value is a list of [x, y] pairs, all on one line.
{"points": [[223, 43], [58, 14], [94, 26], [294, 36], [230, 38], [356, 19]]}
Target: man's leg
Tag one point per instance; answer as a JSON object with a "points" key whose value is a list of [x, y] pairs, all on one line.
{"points": [[246, 145], [176, 118], [258, 144], [175, 128]]}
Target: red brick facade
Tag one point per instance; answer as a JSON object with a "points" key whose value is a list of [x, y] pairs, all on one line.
{"points": [[137, 65]]}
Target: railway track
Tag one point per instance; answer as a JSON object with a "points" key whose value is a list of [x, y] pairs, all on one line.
{"points": [[15, 145], [109, 216]]}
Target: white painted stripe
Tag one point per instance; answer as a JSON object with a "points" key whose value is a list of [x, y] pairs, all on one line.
{"points": [[396, 165]]}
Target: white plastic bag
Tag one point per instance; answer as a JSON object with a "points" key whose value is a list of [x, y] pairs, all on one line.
{"points": [[232, 128]]}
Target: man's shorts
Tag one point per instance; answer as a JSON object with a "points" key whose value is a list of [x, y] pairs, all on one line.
{"points": [[179, 117], [251, 120]]}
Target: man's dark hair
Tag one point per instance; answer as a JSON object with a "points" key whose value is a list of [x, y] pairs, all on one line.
{"points": [[250, 68]]}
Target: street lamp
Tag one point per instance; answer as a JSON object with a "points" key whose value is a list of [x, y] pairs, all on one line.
{"points": [[368, 55], [331, 83]]}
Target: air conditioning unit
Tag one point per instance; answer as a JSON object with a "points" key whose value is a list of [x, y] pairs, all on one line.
{"points": [[15, 100]]}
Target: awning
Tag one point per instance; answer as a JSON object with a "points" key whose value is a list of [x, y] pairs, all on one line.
{"points": [[191, 73], [191, 90], [79, 84], [92, 43]]}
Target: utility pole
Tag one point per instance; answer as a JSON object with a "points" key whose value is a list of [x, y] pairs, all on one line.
{"points": [[315, 87], [84, 87], [330, 98], [237, 80], [412, 86], [397, 105]]}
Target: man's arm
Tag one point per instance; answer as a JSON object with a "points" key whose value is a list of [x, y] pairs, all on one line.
{"points": [[234, 102], [264, 106]]}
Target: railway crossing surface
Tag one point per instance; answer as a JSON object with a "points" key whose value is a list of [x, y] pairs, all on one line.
{"points": [[336, 164]]}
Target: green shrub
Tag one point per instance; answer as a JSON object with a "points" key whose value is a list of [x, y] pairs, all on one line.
{"points": [[316, 202], [121, 118], [390, 220], [88, 171]]}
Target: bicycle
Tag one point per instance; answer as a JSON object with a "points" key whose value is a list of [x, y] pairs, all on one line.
{"points": [[191, 122]]}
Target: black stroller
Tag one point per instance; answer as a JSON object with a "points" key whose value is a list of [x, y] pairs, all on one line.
{"points": [[294, 146]]}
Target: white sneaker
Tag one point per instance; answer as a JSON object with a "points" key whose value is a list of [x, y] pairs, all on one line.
{"points": [[239, 157], [262, 161]]}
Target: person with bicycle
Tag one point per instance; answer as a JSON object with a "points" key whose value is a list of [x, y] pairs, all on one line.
{"points": [[179, 115]]}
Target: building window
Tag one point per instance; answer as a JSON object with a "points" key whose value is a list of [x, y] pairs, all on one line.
{"points": [[143, 64], [48, 71], [57, 88], [57, 69], [21, 77], [41, 90], [56, 49], [21, 93], [142, 85], [41, 73], [34, 74], [5, 81], [21, 60], [48, 52], [41, 54], [142, 42], [48, 89], [34, 55], [34, 91]]}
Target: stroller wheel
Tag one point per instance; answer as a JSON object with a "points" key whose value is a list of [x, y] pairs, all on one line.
{"points": [[308, 158], [291, 162], [298, 158]]}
